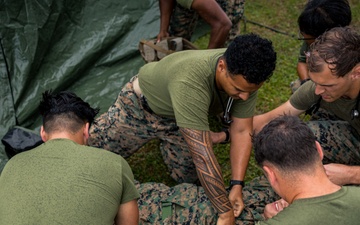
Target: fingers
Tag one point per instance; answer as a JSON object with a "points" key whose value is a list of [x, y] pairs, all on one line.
{"points": [[238, 208], [236, 200], [283, 203], [277, 206], [162, 35]]}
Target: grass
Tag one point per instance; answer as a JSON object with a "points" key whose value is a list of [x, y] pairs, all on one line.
{"points": [[281, 15]]}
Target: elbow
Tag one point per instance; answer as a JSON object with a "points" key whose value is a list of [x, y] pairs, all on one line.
{"points": [[227, 25], [223, 26]]}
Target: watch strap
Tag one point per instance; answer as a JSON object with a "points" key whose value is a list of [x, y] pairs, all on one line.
{"points": [[236, 182], [227, 137]]}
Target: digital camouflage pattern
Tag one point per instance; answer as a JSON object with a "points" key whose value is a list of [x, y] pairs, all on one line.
{"points": [[183, 20], [339, 140], [188, 203], [129, 124]]}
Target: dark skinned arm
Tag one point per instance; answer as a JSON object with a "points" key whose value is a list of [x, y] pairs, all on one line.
{"points": [[220, 23], [166, 9], [209, 172], [302, 71]]}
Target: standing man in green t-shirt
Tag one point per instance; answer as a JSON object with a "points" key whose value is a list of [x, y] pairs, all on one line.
{"points": [[332, 98], [63, 181], [172, 99]]}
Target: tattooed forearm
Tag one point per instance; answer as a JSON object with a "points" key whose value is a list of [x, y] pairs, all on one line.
{"points": [[207, 167]]}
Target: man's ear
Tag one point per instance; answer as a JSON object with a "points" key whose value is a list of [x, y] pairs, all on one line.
{"points": [[319, 149], [222, 65], [86, 132], [43, 134], [270, 174], [355, 74], [275, 179]]}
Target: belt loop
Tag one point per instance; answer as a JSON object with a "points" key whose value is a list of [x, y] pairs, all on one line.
{"points": [[166, 210]]}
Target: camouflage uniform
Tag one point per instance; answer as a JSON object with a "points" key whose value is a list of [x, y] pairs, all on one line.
{"points": [[183, 20], [333, 125], [188, 203], [339, 140], [130, 123]]}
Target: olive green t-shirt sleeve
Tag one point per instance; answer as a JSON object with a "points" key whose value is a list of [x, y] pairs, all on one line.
{"points": [[244, 109], [129, 190], [304, 97], [304, 48]]}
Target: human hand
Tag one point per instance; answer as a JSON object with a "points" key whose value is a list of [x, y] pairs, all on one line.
{"points": [[236, 199], [226, 218], [217, 137], [272, 209], [161, 35], [338, 173]]}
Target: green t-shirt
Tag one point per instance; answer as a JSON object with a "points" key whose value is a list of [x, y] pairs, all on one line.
{"points": [[62, 182], [182, 86], [304, 48], [341, 207], [185, 3], [305, 97]]}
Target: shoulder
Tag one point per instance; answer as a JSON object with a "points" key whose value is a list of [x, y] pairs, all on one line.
{"points": [[352, 190], [101, 152], [26, 154], [304, 96], [193, 56], [307, 87], [97, 157]]}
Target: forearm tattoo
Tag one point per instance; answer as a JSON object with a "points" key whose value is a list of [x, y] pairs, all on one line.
{"points": [[207, 167]]}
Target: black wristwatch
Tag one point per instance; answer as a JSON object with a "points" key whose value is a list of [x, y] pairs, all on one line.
{"points": [[236, 182]]}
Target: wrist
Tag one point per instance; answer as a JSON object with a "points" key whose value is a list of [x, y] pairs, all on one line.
{"points": [[354, 175], [303, 81], [226, 214], [236, 182], [227, 136]]}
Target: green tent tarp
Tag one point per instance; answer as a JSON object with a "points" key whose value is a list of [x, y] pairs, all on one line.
{"points": [[89, 47]]}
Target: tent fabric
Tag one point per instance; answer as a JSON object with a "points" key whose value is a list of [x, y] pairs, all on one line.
{"points": [[89, 47]]}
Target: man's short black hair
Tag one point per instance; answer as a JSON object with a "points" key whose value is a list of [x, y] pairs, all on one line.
{"points": [[287, 143], [65, 111], [251, 56], [319, 16]]}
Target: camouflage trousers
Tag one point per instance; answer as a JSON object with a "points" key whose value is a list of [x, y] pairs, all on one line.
{"points": [[183, 20], [188, 203], [339, 140], [129, 124]]}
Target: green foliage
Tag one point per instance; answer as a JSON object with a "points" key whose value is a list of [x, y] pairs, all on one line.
{"points": [[279, 15]]}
